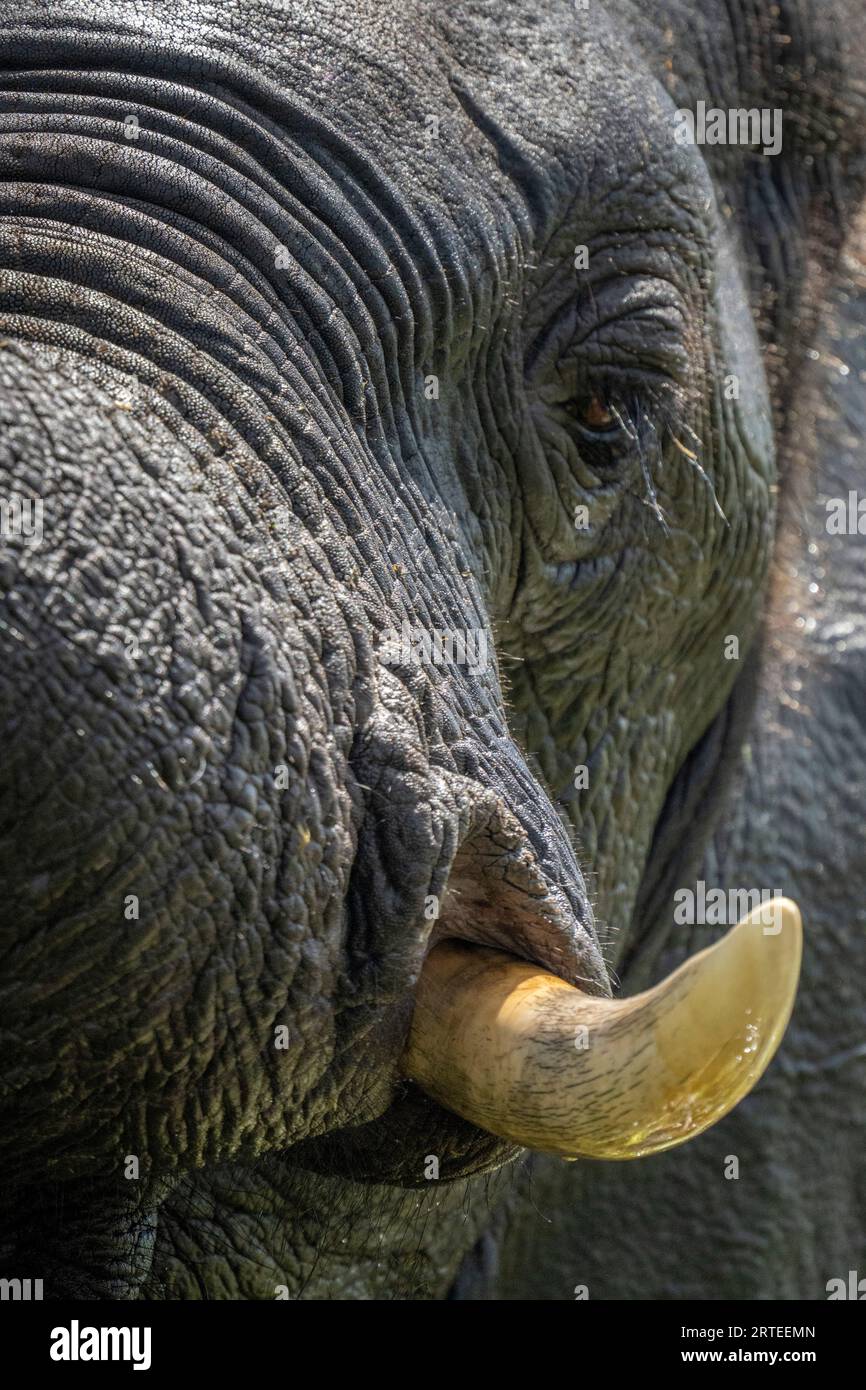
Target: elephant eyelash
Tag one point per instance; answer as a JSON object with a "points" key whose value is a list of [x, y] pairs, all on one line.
{"points": [[640, 421], [634, 434], [674, 427], [646, 442], [646, 421]]}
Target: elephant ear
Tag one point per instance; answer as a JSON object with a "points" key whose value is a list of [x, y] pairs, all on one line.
{"points": [[794, 824]]}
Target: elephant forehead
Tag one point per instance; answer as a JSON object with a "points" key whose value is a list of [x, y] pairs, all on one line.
{"points": [[534, 108], [384, 185], [550, 112]]}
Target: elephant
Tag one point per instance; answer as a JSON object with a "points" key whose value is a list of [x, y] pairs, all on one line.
{"points": [[404, 455]]}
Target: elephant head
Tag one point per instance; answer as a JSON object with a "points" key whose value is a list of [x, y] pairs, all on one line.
{"points": [[397, 401]]}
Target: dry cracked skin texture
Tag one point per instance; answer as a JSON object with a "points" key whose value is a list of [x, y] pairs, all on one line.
{"points": [[217, 331]]}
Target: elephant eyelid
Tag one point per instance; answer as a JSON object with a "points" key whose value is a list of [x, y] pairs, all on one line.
{"points": [[635, 407], [634, 325]]}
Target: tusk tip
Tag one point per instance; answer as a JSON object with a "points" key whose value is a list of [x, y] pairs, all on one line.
{"points": [[717, 1023]]}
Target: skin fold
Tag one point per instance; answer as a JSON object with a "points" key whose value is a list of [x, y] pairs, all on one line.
{"points": [[295, 351]]}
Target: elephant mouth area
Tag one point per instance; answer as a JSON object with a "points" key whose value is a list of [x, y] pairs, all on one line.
{"points": [[512, 1040], [497, 900], [415, 1141]]}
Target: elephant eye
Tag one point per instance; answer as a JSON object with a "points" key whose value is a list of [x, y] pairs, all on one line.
{"points": [[596, 417]]}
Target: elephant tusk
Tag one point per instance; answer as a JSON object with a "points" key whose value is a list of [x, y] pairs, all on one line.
{"points": [[526, 1056]]}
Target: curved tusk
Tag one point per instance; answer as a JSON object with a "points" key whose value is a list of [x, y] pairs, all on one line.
{"points": [[528, 1057]]}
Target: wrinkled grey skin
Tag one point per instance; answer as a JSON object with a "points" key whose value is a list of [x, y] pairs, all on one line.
{"points": [[676, 1226], [218, 326]]}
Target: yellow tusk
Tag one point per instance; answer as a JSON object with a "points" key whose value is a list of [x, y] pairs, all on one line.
{"points": [[524, 1055]]}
